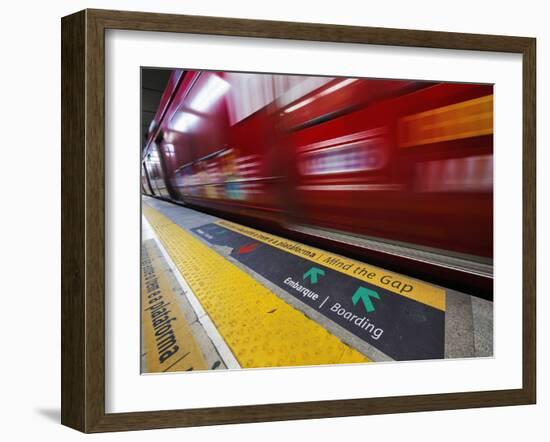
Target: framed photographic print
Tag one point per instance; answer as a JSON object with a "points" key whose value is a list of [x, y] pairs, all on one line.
{"points": [[269, 220]]}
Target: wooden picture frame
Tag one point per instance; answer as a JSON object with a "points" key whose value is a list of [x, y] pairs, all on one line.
{"points": [[83, 220]]}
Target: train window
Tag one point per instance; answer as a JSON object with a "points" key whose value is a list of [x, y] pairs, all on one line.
{"points": [[364, 155], [466, 174]]}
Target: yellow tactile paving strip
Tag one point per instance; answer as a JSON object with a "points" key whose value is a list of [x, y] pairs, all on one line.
{"points": [[260, 328], [168, 341]]}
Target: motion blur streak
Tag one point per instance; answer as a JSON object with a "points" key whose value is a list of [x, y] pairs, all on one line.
{"points": [[405, 161]]}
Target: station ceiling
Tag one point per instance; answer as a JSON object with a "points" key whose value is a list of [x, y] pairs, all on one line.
{"points": [[153, 82]]}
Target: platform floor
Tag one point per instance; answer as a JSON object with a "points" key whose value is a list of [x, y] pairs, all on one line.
{"points": [[216, 294]]}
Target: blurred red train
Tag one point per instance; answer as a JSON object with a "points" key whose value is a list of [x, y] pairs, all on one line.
{"points": [[402, 166]]}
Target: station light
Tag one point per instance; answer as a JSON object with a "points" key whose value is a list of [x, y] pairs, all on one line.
{"points": [[209, 93], [184, 121], [338, 86], [300, 105], [330, 90]]}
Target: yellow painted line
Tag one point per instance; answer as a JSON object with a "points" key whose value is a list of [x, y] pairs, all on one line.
{"points": [[394, 282], [467, 119], [168, 341], [260, 328]]}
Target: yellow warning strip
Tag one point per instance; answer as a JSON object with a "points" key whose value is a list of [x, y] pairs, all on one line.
{"points": [[168, 341], [260, 328], [394, 282]]}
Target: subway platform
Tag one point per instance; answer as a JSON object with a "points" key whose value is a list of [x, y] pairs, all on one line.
{"points": [[220, 295]]}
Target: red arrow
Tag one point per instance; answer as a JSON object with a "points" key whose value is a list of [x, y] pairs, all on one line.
{"points": [[247, 248]]}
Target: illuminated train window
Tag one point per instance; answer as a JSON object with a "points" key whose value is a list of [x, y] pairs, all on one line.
{"points": [[365, 155]]}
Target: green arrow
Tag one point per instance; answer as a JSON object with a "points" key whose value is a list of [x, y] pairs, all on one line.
{"points": [[312, 274], [365, 294]]}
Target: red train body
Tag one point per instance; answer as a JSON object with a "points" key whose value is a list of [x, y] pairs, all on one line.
{"points": [[404, 162]]}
